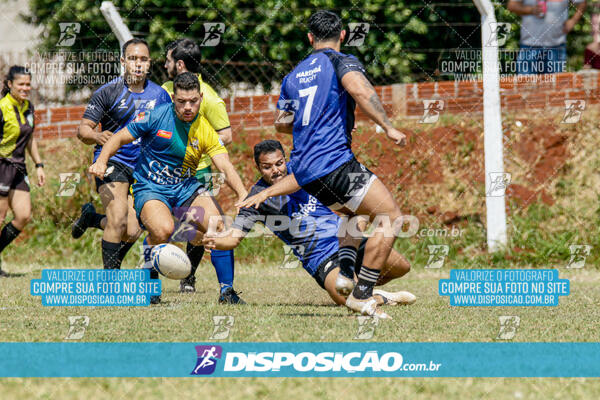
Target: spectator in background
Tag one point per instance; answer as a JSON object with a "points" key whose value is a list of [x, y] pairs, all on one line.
{"points": [[544, 29], [591, 55]]}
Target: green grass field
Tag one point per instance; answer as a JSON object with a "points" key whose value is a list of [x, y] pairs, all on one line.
{"points": [[286, 305]]}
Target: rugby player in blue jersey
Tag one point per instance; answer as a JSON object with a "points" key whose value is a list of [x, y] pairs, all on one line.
{"points": [[316, 106], [309, 228], [113, 106], [174, 137]]}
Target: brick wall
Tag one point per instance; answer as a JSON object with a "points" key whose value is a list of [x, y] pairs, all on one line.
{"points": [[257, 112]]}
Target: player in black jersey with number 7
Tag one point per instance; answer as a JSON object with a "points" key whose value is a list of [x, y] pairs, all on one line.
{"points": [[317, 105]]}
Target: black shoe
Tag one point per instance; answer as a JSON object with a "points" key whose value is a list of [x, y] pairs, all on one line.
{"points": [[2, 273], [154, 299], [83, 222], [230, 296], [188, 285]]}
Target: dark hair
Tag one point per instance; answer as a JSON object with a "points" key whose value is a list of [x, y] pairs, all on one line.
{"points": [[12, 74], [325, 25], [134, 41], [187, 51], [267, 146], [170, 46], [186, 81]]}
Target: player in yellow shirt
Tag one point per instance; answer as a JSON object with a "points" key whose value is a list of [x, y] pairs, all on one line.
{"points": [[183, 55]]}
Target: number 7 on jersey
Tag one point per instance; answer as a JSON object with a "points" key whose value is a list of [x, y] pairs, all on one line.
{"points": [[310, 92]]}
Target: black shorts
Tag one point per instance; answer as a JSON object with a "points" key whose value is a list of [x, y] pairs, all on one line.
{"points": [[119, 173], [324, 268], [12, 177], [346, 186]]}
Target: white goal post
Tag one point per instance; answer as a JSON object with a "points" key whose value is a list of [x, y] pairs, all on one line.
{"points": [[115, 22], [492, 127]]}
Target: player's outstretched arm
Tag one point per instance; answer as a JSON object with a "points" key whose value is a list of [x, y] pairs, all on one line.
{"points": [[109, 149], [365, 96], [227, 240], [226, 136], [87, 133], [285, 186], [221, 161]]}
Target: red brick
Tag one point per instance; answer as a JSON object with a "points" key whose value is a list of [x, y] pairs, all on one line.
{"points": [[260, 103], [236, 120], [577, 94], [556, 99], [578, 81], [48, 132], [564, 81], [242, 104], [41, 117], [535, 101], [426, 90], [508, 84], [464, 105], [466, 89], [412, 90], [512, 102], [267, 118], [379, 91], [59, 114], [251, 120], [75, 113], [594, 96], [414, 108], [446, 89], [67, 130], [227, 104], [387, 94]]}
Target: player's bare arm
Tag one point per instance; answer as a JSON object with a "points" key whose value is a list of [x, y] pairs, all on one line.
{"points": [[284, 121], [221, 161], [226, 136], [109, 149], [227, 240], [88, 134], [365, 96], [285, 186]]}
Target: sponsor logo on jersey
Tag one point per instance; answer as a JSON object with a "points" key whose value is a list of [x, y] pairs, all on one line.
{"points": [[164, 134]]}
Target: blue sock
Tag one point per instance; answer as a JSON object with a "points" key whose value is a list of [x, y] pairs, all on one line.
{"points": [[223, 263]]}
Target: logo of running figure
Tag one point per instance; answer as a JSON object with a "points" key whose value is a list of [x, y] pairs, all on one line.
{"points": [[68, 183], [214, 181], [77, 326], [366, 327], [573, 111], [68, 33], [187, 218], [579, 253], [223, 324], [290, 261], [508, 326], [499, 182], [212, 33], [431, 111], [437, 255], [499, 32], [207, 359], [357, 33], [358, 183]]}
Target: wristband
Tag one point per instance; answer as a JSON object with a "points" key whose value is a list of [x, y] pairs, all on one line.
{"points": [[39, 165]]}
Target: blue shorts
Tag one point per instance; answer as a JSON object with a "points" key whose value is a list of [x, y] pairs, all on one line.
{"points": [[171, 195]]}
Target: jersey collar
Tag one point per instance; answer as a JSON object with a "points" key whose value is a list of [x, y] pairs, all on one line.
{"points": [[15, 103], [127, 86]]}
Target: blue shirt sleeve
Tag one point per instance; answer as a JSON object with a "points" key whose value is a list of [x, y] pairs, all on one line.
{"points": [[283, 102]]}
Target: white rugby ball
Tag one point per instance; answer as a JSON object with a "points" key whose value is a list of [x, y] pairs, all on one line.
{"points": [[170, 261]]}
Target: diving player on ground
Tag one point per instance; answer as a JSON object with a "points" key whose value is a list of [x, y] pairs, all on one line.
{"points": [[319, 97], [309, 228], [173, 140]]}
